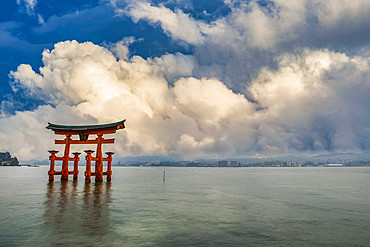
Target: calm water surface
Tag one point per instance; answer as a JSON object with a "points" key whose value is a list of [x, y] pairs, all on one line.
{"points": [[193, 207]]}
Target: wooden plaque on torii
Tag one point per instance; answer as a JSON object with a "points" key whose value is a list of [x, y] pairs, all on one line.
{"points": [[83, 132]]}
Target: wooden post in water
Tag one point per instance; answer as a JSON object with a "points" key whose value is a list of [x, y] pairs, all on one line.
{"points": [[75, 166], [109, 169], [99, 160], [88, 166], [65, 172], [52, 164]]}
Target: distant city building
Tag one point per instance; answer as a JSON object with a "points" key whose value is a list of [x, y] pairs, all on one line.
{"points": [[233, 163], [222, 163]]}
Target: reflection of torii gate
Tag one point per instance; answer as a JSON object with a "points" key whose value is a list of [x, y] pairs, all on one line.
{"points": [[83, 132]]}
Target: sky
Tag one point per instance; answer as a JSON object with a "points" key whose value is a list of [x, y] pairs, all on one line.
{"points": [[193, 79]]}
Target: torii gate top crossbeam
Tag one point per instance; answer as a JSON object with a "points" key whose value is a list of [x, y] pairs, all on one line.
{"points": [[86, 129]]}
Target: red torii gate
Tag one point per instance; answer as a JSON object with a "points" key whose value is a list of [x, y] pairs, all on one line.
{"points": [[83, 132]]}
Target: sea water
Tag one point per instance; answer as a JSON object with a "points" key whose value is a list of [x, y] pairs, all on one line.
{"points": [[192, 207]]}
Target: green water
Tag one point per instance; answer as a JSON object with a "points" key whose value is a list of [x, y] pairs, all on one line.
{"points": [[193, 207]]}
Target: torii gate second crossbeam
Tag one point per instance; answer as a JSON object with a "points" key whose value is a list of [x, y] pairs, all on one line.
{"points": [[83, 132]]}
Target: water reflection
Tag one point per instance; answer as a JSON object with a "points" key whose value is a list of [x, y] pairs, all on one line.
{"points": [[76, 214], [95, 220]]}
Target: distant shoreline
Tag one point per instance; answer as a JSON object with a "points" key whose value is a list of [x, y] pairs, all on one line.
{"points": [[28, 165]]}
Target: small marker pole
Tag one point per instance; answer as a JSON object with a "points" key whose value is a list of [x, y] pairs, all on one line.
{"points": [[164, 176]]}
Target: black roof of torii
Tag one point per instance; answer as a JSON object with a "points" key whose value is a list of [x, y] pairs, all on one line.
{"points": [[58, 128]]}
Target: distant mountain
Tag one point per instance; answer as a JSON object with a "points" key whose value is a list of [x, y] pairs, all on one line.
{"points": [[337, 155], [319, 156], [45, 162], [140, 159]]}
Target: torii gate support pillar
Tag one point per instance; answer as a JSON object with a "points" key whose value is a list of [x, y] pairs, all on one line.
{"points": [[88, 166]]}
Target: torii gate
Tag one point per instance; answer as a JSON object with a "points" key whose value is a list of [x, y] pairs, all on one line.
{"points": [[83, 132]]}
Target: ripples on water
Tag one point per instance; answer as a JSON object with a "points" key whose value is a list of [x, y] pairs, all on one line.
{"points": [[193, 207]]}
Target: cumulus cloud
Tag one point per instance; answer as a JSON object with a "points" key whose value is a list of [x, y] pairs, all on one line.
{"points": [[90, 80], [304, 105], [259, 82], [309, 95]]}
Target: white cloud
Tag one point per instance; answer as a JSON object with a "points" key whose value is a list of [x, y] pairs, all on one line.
{"points": [[333, 11], [24, 133], [210, 103], [177, 24], [251, 23], [310, 92], [304, 105], [245, 91], [29, 5], [259, 26], [120, 48]]}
